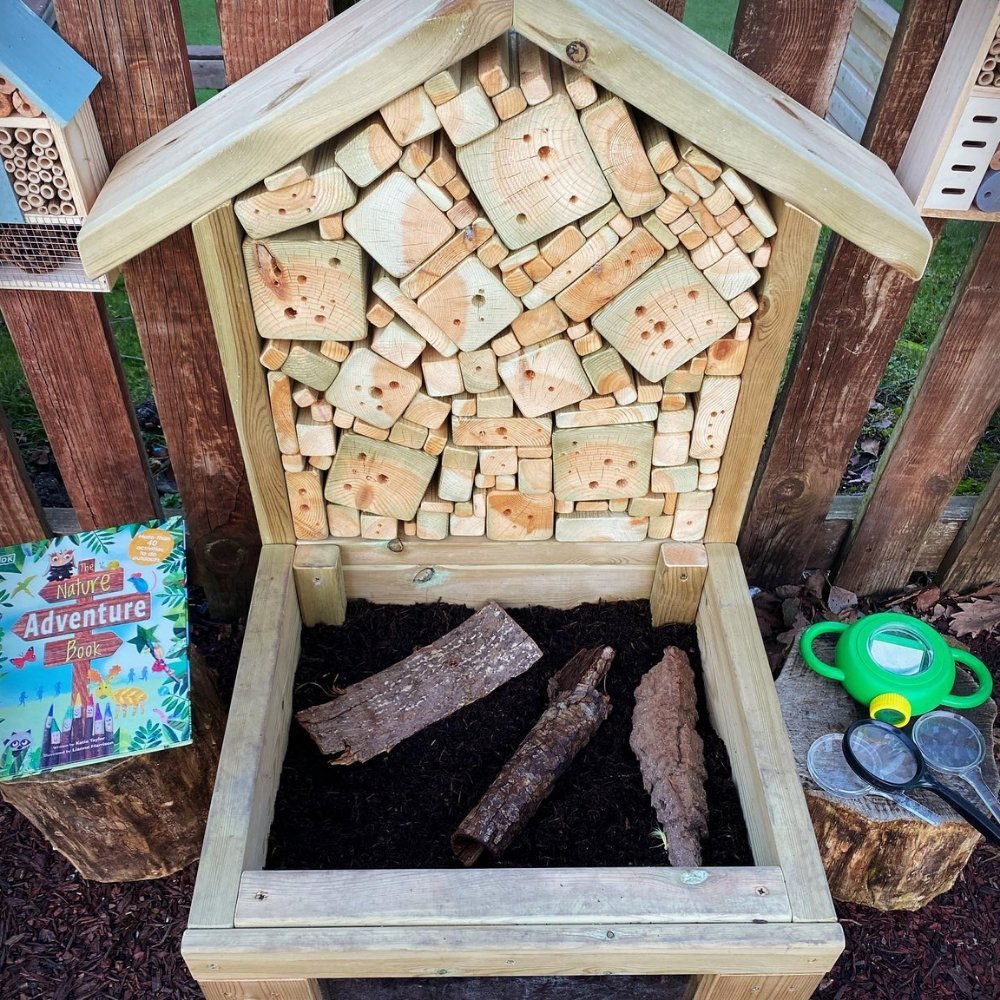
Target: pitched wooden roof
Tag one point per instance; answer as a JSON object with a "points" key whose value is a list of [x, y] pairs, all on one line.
{"points": [[43, 67], [381, 48]]}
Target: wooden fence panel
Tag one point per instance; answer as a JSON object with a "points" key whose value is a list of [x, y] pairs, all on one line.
{"points": [[974, 557], [858, 307], [254, 31], [21, 517], [945, 416], [795, 44], [138, 47], [73, 371], [675, 8]]}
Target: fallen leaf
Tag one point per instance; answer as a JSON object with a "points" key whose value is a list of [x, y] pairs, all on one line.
{"points": [[871, 446], [976, 617], [790, 610], [814, 583], [926, 599], [841, 599]]}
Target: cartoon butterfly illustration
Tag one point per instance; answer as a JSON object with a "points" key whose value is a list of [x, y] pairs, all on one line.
{"points": [[20, 661]]}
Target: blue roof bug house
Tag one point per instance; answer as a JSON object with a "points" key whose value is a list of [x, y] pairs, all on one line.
{"points": [[53, 161]]}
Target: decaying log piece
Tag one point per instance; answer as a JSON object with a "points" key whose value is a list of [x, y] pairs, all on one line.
{"points": [[671, 754], [575, 712], [874, 852], [375, 714]]}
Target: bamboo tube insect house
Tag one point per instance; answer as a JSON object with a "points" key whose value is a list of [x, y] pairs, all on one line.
{"points": [[508, 327], [52, 160]]}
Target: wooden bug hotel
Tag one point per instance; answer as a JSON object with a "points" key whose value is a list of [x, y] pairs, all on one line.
{"points": [[506, 324], [52, 158]]}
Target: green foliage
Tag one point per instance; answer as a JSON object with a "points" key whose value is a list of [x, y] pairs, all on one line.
{"points": [[98, 542], [146, 737]]}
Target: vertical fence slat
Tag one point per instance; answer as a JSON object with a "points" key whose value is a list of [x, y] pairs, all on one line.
{"points": [[21, 517], [675, 8], [974, 557], [254, 31], [795, 44], [945, 416], [858, 307], [75, 377], [138, 46]]}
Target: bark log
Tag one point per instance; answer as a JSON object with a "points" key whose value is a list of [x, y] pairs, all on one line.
{"points": [[575, 712], [135, 818], [671, 754], [875, 852], [374, 715]]}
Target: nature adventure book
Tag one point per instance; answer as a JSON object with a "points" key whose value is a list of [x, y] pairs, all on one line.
{"points": [[93, 647]]}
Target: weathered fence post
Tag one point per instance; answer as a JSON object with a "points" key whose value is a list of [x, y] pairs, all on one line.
{"points": [[139, 49], [254, 31], [797, 46], [74, 374], [21, 517], [949, 407], [857, 310], [974, 556]]}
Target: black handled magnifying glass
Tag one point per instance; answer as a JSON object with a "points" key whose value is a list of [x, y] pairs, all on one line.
{"points": [[887, 758]]}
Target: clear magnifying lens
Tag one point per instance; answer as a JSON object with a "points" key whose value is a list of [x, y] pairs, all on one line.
{"points": [[949, 742], [901, 650], [828, 767], [953, 744], [879, 751]]}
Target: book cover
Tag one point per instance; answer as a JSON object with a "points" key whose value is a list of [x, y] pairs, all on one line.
{"points": [[93, 647]]}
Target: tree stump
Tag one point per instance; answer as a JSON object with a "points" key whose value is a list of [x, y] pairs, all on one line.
{"points": [[137, 817], [874, 851]]}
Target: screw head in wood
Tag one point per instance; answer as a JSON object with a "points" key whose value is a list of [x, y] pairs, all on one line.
{"points": [[577, 52]]}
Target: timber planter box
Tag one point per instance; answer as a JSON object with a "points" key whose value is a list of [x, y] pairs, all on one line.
{"points": [[508, 328]]}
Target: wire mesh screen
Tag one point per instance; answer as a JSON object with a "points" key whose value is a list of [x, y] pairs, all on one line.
{"points": [[42, 257]]}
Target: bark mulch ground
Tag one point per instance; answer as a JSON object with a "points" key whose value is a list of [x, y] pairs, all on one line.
{"points": [[63, 937]]}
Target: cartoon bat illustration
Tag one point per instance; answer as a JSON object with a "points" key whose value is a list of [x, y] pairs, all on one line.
{"points": [[20, 661]]}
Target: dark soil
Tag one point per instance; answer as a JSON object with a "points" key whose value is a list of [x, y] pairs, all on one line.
{"points": [[399, 810], [62, 937]]}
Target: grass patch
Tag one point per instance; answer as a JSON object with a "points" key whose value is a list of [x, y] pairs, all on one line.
{"points": [[201, 22]]}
